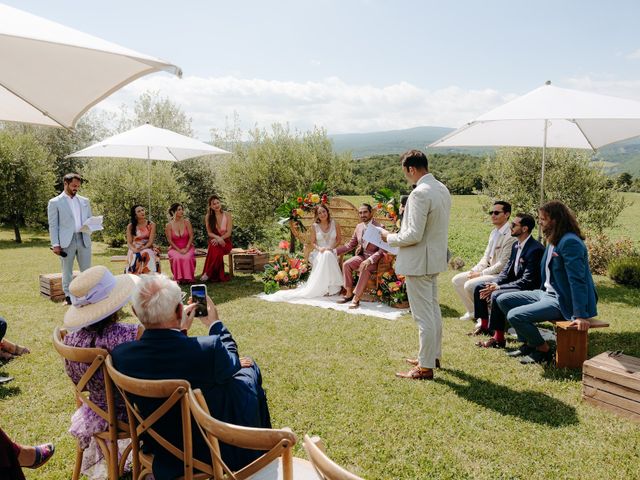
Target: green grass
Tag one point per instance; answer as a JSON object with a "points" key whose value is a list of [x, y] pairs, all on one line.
{"points": [[328, 373]]}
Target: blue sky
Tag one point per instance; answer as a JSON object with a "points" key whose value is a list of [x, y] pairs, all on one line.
{"points": [[362, 65]]}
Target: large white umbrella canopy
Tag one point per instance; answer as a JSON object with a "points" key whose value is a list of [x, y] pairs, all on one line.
{"points": [[150, 143], [51, 74], [551, 117]]}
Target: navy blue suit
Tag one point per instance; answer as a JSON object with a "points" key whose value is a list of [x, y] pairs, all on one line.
{"points": [[574, 296], [527, 278], [210, 363]]}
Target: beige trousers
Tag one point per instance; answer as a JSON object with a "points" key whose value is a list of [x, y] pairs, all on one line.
{"points": [[464, 287], [422, 291]]}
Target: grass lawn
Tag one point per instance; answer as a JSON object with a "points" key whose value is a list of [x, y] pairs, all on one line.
{"points": [[328, 373]]}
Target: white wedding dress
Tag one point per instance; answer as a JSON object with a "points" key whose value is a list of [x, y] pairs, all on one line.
{"points": [[325, 277]]}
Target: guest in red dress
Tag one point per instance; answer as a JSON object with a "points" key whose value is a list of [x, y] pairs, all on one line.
{"points": [[182, 254], [219, 225]]}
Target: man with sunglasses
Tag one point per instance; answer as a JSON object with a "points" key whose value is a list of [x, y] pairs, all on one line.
{"points": [[522, 272], [495, 257]]}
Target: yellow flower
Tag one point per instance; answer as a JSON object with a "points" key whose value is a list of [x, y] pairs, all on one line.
{"points": [[300, 212], [315, 198], [390, 208], [293, 273], [280, 275]]}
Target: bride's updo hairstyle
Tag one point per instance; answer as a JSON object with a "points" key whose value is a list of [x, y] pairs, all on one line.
{"points": [[316, 211]]}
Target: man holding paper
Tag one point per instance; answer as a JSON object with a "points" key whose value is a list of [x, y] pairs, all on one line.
{"points": [[67, 214], [422, 255]]}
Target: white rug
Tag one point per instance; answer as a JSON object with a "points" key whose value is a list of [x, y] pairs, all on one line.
{"points": [[373, 309]]}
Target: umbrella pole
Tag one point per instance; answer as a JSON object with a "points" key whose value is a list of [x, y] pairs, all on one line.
{"points": [[544, 151], [149, 179]]}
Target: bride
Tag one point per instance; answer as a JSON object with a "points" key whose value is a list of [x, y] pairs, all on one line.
{"points": [[326, 275]]}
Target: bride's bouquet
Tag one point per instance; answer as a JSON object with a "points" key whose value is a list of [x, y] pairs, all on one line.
{"points": [[284, 272]]}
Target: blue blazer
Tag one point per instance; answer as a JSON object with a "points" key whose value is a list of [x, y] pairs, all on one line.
{"points": [[210, 363], [570, 277], [528, 276]]}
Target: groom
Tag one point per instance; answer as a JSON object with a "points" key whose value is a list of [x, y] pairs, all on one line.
{"points": [[365, 259]]}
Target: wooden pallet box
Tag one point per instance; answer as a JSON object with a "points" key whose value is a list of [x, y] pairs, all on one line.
{"points": [[250, 262], [612, 382], [51, 286]]}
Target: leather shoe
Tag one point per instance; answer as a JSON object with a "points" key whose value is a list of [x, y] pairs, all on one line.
{"points": [[492, 343], [67, 300], [414, 362], [538, 357], [478, 331], [345, 299], [521, 352], [417, 373]]}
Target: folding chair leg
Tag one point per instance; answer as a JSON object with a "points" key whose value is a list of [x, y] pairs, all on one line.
{"points": [[78, 464]]}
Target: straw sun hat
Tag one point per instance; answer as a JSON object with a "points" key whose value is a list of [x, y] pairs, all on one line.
{"points": [[95, 294]]}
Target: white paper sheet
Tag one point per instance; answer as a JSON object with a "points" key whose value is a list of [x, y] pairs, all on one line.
{"points": [[372, 235], [92, 224]]}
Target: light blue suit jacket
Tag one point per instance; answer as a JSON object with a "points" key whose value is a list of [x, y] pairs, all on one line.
{"points": [[571, 278], [62, 225]]}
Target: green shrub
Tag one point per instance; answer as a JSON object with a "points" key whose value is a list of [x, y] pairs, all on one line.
{"points": [[626, 271], [603, 250]]}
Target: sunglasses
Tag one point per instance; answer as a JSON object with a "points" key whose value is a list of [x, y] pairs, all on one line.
{"points": [[495, 212], [514, 224]]}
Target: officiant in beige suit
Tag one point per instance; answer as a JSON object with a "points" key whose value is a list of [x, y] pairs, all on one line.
{"points": [[422, 255]]}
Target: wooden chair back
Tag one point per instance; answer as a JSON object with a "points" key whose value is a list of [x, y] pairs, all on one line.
{"points": [[107, 441], [276, 442], [326, 468], [174, 393]]}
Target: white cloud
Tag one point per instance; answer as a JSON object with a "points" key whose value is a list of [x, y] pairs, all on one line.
{"points": [[331, 103], [634, 55], [606, 85]]}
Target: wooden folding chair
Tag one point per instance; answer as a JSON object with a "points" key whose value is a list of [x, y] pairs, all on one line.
{"points": [[326, 468], [278, 443], [106, 441], [174, 393]]}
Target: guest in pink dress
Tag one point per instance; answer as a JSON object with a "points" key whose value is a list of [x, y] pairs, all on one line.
{"points": [[219, 225], [182, 254]]}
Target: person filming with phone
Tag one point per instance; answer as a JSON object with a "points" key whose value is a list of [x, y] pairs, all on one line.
{"points": [[232, 385]]}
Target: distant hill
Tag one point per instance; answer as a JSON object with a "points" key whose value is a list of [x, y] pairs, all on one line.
{"points": [[621, 157]]}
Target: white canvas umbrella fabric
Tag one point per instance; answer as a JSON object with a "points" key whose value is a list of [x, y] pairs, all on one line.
{"points": [[150, 143], [51, 74], [551, 117]]}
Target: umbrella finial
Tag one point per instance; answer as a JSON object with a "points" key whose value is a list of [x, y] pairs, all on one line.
{"points": [[548, 82]]}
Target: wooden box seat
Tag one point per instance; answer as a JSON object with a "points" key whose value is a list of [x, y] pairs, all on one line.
{"points": [[572, 344]]}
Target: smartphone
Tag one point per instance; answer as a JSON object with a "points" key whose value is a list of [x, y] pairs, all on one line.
{"points": [[199, 297]]}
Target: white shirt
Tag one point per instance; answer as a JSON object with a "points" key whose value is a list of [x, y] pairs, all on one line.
{"points": [[547, 281], [495, 235], [74, 205], [520, 247]]}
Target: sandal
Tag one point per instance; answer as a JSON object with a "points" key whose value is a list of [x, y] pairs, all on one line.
{"points": [[6, 356], [354, 304], [43, 454], [14, 348]]}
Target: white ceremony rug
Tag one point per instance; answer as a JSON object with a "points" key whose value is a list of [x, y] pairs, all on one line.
{"points": [[373, 309]]}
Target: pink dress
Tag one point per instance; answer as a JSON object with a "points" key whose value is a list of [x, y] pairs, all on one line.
{"points": [[183, 265]]}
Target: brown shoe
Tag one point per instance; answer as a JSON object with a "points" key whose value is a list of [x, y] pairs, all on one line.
{"points": [[417, 373], [492, 343], [414, 362], [345, 299], [478, 331], [354, 304]]}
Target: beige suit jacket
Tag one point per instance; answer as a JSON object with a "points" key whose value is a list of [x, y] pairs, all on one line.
{"points": [[493, 264], [424, 231]]}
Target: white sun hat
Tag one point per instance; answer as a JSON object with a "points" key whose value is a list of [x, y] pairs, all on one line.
{"points": [[95, 294]]}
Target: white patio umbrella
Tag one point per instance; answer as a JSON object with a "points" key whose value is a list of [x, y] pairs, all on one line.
{"points": [[551, 117], [51, 74], [150, 143]]}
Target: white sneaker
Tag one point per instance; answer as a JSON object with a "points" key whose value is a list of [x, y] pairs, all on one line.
{"points": [[467, 316]]}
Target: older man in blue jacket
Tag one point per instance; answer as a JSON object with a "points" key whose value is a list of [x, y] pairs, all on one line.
{"points": [[567, 286]]}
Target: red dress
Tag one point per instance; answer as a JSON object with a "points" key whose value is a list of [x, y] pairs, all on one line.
{"points": [[214, 264]]}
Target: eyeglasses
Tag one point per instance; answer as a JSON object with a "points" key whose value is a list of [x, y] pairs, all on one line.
{"points": [[495, 212], [514, 225]]}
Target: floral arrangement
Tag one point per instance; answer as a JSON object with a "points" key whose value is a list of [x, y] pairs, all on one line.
{"points": [[296, 206], [392, 290], [284, 271], [389, 203]]}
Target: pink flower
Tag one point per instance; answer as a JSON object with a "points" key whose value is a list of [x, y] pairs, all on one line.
{"points": [[284, 245], [276, 268], [399, 283]]}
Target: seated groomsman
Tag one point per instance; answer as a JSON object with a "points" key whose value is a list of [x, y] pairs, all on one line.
{"points": [[495, 257], [522, 272]]}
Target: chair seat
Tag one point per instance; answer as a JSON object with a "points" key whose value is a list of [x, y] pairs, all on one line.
{"points": [[302, 470]]}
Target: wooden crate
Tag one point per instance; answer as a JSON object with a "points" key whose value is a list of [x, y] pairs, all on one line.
{"points": [[250, 262], [613, 383], [51, 286]]}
